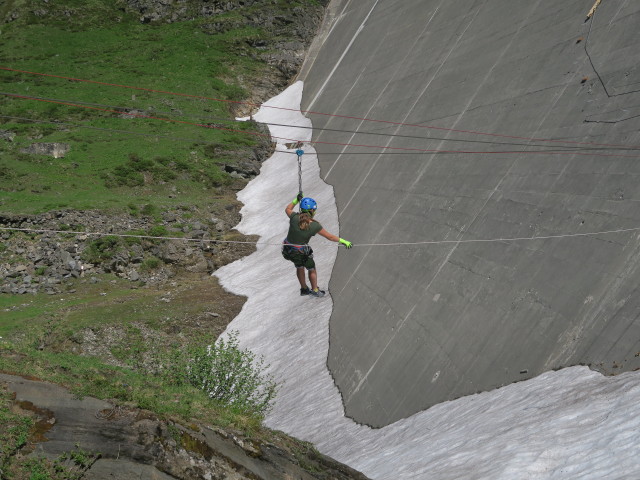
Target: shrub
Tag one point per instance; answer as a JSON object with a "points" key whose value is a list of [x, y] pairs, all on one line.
{"points": [[150, 263], [230, 375], [158, 231], [133, 209], [101, 249], [150, 210]]}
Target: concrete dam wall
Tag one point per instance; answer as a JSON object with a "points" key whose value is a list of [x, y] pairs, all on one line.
{"points": [[506, 121]]}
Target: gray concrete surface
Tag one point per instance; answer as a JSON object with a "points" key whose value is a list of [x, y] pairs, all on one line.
{"points": [[414, 326]]}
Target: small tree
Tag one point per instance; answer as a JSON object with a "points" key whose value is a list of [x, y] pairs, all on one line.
{"points": [[227, 373]]}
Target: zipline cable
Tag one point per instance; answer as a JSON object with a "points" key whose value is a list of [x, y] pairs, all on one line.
{"points": [[201, 140], [398, 244], [310, 112], [298, 141], [127, 110]]}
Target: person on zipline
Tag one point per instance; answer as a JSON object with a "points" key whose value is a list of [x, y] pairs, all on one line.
{"points": [[295, 247]]}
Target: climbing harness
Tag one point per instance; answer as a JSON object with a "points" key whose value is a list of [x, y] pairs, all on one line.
{"points": [[291, 248]]}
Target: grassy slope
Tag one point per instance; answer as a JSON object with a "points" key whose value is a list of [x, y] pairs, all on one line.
{"points": [[105, 44]]}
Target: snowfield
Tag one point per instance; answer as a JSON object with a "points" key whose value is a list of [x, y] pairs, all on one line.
{"points": [[569, 424]]}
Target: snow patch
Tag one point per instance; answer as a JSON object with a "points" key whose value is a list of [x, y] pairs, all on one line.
{"points": [[573, 423]]}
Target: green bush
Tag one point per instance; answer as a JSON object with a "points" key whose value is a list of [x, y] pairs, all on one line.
{"points": [[150, 210], [229, 375], [150, 263], [158, 231], [101, 249]]}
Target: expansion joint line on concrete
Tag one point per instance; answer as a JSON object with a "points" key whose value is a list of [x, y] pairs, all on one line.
{"points": [[591, 16]]}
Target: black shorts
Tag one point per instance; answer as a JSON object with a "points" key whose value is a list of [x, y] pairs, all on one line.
{"points": [[300, 257]]}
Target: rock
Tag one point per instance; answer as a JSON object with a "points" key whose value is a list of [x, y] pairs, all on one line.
{"points": [[168, 252], [129, 114], [65, 257], [55, 150], [200, 266], [134, 276], [119, 263], [7, 135]]}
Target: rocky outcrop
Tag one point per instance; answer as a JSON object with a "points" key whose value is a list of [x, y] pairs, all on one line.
{"points": [[133, 443], [38, 256], [55, 150], [288, 29]]}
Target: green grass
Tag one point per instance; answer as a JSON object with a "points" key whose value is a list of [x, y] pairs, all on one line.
{"points": [[38, 331], [89, 376], [28, 320], [16, 431], [139, 165], [98, 172]]}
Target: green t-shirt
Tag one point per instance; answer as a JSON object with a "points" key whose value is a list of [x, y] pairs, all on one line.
{"points": [[301, 237]]}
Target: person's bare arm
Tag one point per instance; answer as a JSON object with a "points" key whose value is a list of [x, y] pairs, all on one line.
{"points": [[294, 202], [333, 238], [289, 209], [329, 236]]}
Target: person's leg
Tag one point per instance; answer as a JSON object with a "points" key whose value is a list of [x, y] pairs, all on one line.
{"points": [[300, 275], [313, 278]]}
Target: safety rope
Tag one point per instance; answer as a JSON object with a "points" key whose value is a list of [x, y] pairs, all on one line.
{"points": [[398, 244], [299, 153], [326, 129], [297, 141], [310, 112]]}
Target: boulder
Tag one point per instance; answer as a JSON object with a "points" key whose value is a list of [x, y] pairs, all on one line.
{"points": [[55, 150]]}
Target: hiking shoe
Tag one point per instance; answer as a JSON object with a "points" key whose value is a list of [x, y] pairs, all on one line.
{"points": [[305, 291], [316, 293]]}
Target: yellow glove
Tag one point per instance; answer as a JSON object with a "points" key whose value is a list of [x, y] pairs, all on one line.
{"points": [[346, 243]]}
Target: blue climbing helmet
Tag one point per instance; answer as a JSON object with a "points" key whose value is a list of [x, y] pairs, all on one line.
{"points": [[308, 205]]}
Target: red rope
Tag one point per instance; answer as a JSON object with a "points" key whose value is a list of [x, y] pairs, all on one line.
{"points": [[472, 132], [292, 140]]}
